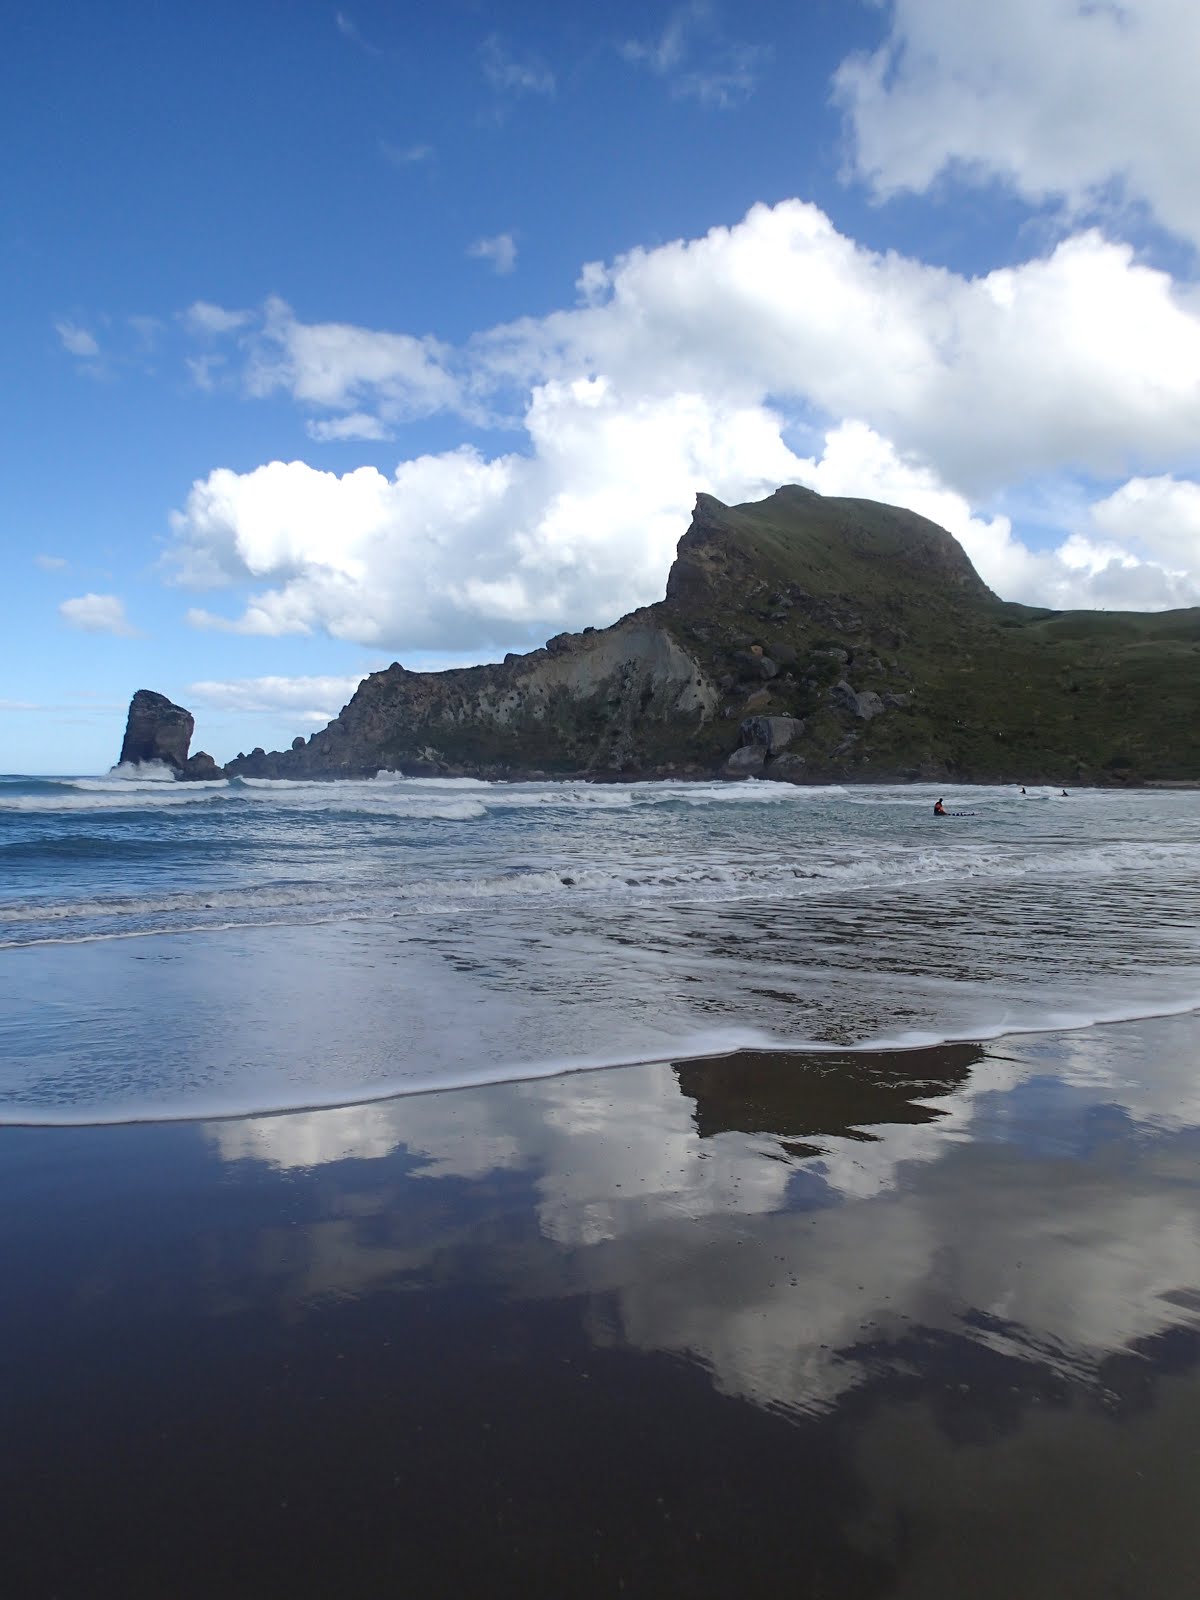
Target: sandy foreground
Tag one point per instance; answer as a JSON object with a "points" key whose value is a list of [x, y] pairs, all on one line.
{"points": [[921, 1324]]}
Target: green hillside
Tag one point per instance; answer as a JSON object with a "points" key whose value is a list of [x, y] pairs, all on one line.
{"points": [[993, 690], [805, 639]]}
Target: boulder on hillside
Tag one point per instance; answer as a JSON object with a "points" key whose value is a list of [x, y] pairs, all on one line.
{"points": [[156, 730], [865, 705], [747, 761], [775, 733]]}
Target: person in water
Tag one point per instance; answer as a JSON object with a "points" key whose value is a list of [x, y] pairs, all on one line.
{"points": [[939, 810]]}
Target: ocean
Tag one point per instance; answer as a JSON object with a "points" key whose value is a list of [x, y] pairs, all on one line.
{"points": [[179, 950], [865, 1251]]}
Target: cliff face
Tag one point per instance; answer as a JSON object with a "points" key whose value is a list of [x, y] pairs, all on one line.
{"points": [[160, 732], [803, 638], [623, 699], [156, 730]]}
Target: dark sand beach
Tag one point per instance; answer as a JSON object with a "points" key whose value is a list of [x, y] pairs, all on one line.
{"points": [[921, 1324]]}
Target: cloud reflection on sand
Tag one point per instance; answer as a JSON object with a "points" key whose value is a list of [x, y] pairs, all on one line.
{"points": [[1047, 1210]]}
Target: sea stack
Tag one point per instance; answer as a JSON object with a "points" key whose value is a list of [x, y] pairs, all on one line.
{"points": [[157, 730]]}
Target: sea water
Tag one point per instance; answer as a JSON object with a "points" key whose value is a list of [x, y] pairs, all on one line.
{"points": [[172, 949]]}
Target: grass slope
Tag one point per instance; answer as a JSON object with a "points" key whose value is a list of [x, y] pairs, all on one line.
{"points": [[995, 691]]}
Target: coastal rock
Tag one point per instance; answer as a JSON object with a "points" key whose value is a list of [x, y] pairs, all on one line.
{"points": [[625, 700], [770, 609], [790, 767], [156, 730], [775, 733], [201, 768], [747, 761]]}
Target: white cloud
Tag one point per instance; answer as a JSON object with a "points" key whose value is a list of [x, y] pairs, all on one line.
{"points": [[148, 331], [1064, 100], [501, 251], [97, 613], [507, 75], [76, 341], [358, 425], [697, 62], [309, 699], [205, 370], [51, 563], [691, 367], [456, 551], [1076, 575], [331, 364], [204, 317], [1160, 515], [660, 1222]]}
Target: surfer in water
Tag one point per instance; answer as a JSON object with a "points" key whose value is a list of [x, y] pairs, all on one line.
{"points": [[939, 810]]}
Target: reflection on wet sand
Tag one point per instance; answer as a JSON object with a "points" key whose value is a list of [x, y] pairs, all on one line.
{"points": [[665, 1327], [767, 1091]]}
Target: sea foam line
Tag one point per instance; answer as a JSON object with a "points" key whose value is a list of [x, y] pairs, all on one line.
{"points": [[710, 1046]]}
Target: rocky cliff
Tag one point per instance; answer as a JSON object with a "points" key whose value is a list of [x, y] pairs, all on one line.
{"points": [[801, 638], [160, 732], [626, 699]]}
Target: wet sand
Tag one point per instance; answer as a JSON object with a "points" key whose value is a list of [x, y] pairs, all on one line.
{"points": [[866, 1325]]}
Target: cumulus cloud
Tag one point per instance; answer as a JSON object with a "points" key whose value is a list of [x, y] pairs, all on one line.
{"points": [[76, 341], [1066, 101], [97, 613], [1162, 515], [309, 699], [457, 550], [500, 250], [700, 365], [333, 364], [1078, 574]]}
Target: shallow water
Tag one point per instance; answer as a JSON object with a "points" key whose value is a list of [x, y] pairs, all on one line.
{"points": [[179, 949], [864, 1325]]}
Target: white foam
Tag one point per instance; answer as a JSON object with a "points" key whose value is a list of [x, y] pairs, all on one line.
{"points": [[707, 1044]]}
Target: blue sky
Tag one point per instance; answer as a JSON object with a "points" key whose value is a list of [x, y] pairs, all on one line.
{"points": [[339, 336]]}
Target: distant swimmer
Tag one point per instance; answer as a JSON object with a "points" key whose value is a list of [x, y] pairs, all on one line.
{"points": [[1022, 789], [939, 810], [1065, 795]]}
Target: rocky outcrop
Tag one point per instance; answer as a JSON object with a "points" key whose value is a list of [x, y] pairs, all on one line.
{"points": [[156, 730], [865, 705], [201, 768], [628, 699], [802, 638]]}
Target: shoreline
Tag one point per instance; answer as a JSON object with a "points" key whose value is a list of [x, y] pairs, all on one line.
{"points": [[650, 1330], [788, 1055]]}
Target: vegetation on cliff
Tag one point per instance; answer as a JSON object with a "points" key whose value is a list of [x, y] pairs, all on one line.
{"points": [[803, 638]]}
